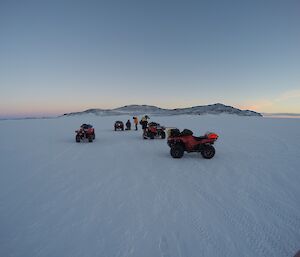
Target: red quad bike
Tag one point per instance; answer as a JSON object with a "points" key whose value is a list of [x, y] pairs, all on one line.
{"points": [[154, 130], [185, 141], [86, 131]]}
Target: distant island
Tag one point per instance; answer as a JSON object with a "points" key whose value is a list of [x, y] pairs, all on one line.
{"points": [[217, 108]]}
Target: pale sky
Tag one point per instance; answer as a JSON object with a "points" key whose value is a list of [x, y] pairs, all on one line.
{"points": [[64, 56]]}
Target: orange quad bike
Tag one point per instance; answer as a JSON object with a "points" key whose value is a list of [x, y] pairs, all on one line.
{"points": [[180, 142]]}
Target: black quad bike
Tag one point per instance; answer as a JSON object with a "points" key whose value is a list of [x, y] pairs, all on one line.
{"points": [[119, 125]]}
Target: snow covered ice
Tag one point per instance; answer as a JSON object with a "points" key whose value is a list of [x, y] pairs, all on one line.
{"points": [[125, 196]]}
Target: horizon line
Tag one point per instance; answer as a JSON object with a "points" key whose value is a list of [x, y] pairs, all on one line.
{"points": [[54, 115]]}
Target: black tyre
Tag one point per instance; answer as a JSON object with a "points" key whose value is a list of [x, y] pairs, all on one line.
{"points": [[177, 151], [208, 152], [77, 138], [151, 135], [94, 136], [90, 139], [163, 135]]}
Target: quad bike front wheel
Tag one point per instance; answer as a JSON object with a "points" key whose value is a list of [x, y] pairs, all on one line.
{"points": [[163, 135], [77, 138], [177, 151], [208, 152], [90, 139], [151, 135]]}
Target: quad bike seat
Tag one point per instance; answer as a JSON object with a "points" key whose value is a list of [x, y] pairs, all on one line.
{"points": [[86, 126], [186, 132], [153, 124], [200, 138]]}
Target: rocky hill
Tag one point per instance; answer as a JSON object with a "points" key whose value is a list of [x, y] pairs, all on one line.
{"points": [[154, 110]]}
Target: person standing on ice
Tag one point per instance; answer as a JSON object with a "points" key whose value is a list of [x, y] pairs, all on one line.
{"points": [[136, 122], [128, 125], [144, 123]]}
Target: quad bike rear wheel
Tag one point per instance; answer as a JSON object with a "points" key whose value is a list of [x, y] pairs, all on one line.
{"points": [[208, 152], [163, 135], [90, 139], [77, 138], [177, 151]]}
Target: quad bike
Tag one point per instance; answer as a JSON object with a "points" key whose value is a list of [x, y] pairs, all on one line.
{"points": [[154, 130], [119, 125], [86, 131], [179, 142]]}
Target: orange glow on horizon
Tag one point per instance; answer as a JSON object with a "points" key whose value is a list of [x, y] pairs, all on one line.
{"points": [[35, 109]]}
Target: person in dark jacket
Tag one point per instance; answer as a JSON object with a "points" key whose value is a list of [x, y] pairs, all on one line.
{"points": [[128, 125], [144, 123]]}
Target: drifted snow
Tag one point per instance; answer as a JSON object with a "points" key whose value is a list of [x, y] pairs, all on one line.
{"points": [[124, 196]]}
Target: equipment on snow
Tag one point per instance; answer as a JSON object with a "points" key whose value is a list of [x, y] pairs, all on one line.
{"points": [[119, 125], [185, 141], [86, 131], [154, 130]]}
